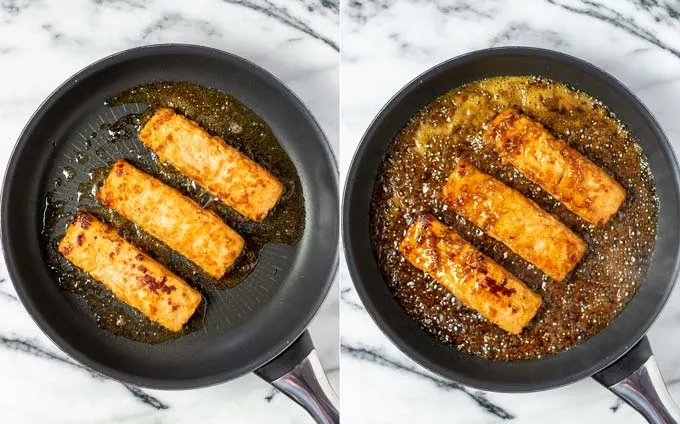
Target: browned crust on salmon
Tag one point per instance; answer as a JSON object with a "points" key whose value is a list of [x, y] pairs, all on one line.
{"points": [[508, 216], [197, 234], [472, 277], [567, 175], [134, 277], [225, 172]]}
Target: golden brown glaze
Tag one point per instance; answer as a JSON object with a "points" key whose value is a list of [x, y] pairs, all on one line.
{"points": [[474, 278], [133, 277], [508, 216], [197, 234], [416, 168], [583, 187], [221, 169]]}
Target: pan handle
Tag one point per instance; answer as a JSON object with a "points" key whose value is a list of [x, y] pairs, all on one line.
{"points": [[297, 372], [636, 379]]}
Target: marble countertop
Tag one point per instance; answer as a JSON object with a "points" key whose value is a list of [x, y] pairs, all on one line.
{"points": [[42, 43], [387, 43]]}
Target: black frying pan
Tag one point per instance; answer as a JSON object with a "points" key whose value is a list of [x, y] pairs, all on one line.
{"points": [[619, 356], [257, 326]]}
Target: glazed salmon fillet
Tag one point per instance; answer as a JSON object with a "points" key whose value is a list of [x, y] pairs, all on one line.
{"points": [[567, 175], [235, 179], [509, 217], [195, 233], [132, 276], [472, 277]]}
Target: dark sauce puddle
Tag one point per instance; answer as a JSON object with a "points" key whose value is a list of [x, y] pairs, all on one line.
{"points": [[222, 115], [450, 127]]}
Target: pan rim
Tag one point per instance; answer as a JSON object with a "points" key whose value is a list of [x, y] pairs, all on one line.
{"points": [[393, 334], [167, 382]]}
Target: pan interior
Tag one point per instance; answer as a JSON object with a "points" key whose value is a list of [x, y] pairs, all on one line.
{"points": [[244, 326], [582, 360]]}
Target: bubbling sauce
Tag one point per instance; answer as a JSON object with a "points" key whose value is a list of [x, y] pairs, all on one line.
{"points": [[417, 166]]}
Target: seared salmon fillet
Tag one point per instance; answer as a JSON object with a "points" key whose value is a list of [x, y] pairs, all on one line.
{"points": [[132, 276], [197, 234], [216, 166], [508, 216], [472, 277], [567, 175]]}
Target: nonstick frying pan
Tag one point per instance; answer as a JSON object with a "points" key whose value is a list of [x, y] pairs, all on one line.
{"points": [[619, 357], [259, 325]]}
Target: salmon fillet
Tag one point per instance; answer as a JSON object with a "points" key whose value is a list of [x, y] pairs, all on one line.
{"points": [[197, 234], [133, 277], [473, 278], [508, 216], [567, 175], [216, 166]]}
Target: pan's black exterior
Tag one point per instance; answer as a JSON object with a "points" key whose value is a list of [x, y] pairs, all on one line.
{"points": [[517, 376], [282, 304]]}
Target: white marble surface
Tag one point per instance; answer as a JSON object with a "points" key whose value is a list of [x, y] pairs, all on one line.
{"points": [[385, 44], [42, 43]]}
